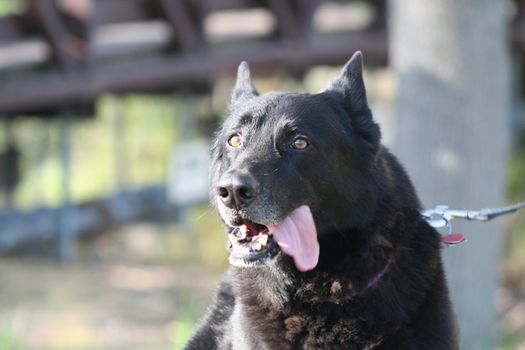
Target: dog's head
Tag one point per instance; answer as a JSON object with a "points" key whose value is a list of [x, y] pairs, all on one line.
{"points": [[297, 162]]}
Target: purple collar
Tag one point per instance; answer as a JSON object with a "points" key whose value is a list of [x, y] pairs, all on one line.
{"points": [[373, 281]]}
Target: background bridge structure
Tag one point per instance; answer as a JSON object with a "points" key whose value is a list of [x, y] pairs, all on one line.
{"points": [[80, 49]]}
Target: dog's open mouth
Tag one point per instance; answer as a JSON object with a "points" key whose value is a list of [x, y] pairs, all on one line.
{"points": [[251, 243], [296, 236]]}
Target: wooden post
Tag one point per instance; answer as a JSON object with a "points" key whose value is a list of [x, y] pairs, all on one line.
{"points": [[451, 64]]}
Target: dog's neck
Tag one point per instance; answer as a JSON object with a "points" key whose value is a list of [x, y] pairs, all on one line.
{"points": [[330, 282]]}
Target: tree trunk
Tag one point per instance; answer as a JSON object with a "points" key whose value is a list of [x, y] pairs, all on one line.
{"points": [[451, 65]]}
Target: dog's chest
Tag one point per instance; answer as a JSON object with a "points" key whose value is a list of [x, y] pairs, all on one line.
{"points": [[267, 316], [259, 328]]}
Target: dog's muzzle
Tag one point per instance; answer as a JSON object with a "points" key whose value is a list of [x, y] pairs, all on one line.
{"points": [[237, 190]]}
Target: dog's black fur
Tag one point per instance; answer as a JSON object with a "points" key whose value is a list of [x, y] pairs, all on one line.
{"points": [[367, 218]]}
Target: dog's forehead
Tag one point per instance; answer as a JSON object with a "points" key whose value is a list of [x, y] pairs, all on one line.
{"points": [[274, 107]]}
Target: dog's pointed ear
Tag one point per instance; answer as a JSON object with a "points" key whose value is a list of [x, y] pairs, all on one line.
{"points": [[243, 86], [351, 85], [349, 88]]}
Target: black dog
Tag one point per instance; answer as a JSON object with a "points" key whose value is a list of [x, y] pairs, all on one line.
{"points": [[327, 245]]}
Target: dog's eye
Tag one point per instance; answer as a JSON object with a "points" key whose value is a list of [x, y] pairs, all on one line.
{"points": [[300, 143], [235, 141]]}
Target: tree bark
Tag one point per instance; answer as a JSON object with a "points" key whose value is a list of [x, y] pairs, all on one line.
{"points": [[451, 64]]}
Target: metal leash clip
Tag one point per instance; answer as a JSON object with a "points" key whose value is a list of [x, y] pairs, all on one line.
{"points": [[442, 216]]}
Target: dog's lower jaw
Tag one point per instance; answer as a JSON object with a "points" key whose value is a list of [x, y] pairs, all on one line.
{"points": [[253, 259]]}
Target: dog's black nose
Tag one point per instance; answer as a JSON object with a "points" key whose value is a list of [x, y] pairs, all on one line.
{"points": [[236, 190]]}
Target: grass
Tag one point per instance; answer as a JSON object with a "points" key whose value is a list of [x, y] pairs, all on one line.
{"points": [[190, 308], [10, 341], [185, 322], [183, 329]]}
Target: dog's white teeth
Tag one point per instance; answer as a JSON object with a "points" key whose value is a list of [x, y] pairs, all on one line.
{"points": [[263, 240], [233, 239], [240, 233], [243, 232]]}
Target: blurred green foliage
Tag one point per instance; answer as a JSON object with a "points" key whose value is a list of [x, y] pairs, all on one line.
{"points": [[10, 341], [516, 172], [9, 7], [139, 129], [516, 193]]}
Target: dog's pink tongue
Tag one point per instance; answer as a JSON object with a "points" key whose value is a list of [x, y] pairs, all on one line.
{"points": [[297, 237]]}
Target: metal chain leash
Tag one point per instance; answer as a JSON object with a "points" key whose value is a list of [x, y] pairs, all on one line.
{"points": [[442, 216]]}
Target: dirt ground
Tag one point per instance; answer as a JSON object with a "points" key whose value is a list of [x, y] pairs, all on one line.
{"points": [[138, 287], [109, 299]]}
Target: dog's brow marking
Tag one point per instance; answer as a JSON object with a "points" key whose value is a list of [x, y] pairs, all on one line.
{"points": [[285, 129], [246, 119]]}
